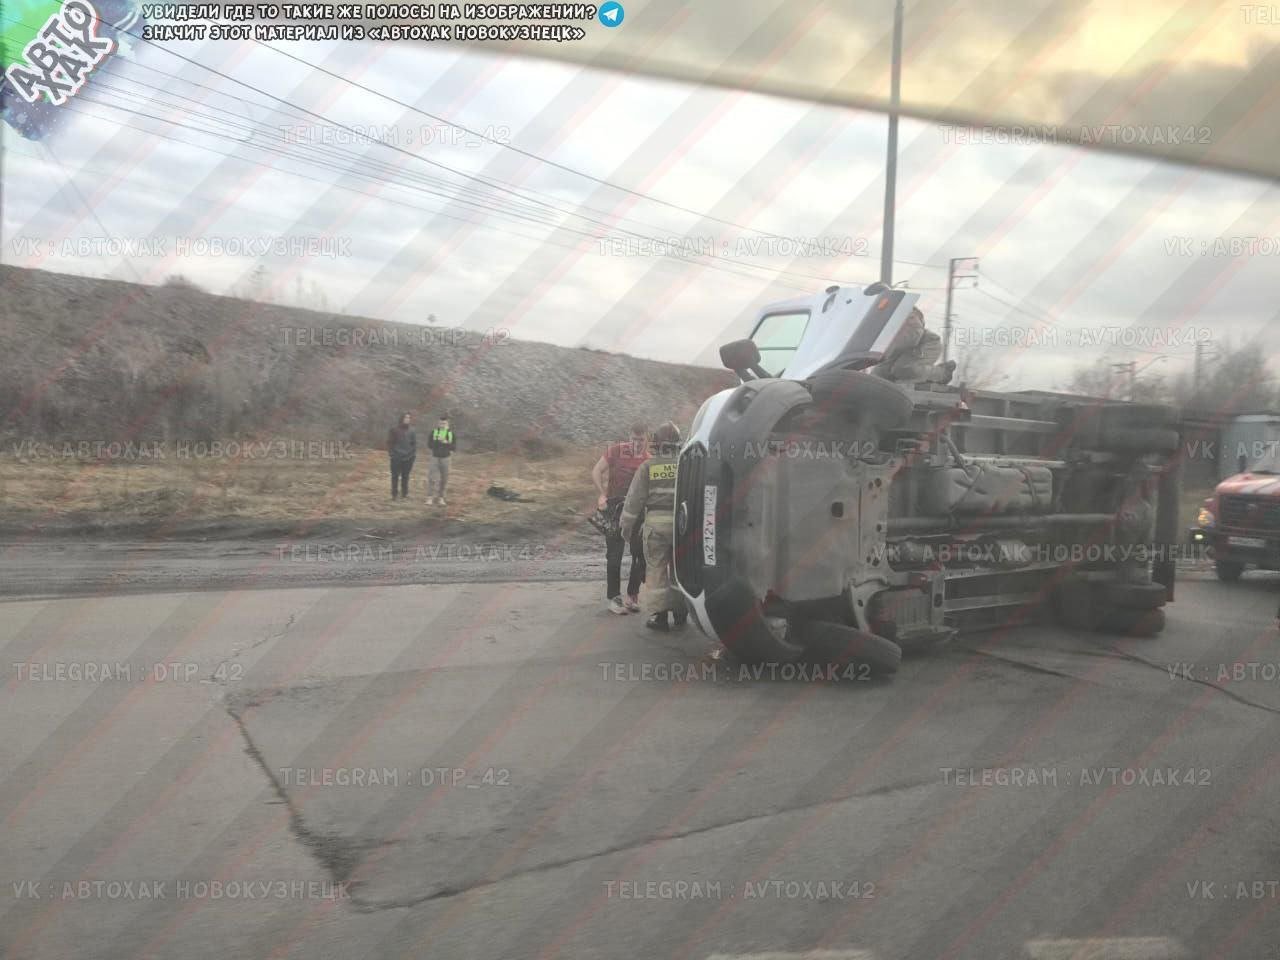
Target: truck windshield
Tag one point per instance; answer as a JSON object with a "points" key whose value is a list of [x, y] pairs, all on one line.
{"points": [[778, 335]]}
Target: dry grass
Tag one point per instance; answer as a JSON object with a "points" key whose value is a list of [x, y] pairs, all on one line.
{"points": [[107, 493]]}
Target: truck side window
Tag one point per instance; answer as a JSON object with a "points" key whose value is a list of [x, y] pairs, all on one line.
{"points": [[778, 335]]}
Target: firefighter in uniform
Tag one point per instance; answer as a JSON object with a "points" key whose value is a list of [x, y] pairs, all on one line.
{"points": [[653, 491]]}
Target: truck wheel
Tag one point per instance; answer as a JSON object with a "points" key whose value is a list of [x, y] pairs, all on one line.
{"points": [[734, 612], [885, 405], [1075, 606], [1139, 440], [1134, 623], [1135, 596], [843, 644], [1228, 571]]}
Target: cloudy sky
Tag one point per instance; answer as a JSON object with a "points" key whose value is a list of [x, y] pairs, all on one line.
{"points": [[736, 199]]}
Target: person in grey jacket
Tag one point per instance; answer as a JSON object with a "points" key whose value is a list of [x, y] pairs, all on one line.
{"points": [[402, 447]]}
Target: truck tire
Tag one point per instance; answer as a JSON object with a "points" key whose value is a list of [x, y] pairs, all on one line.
{"points": [[1134, 623], [884, 404], [1139, 440], [1134, 596], [1075, 605], [841, 644], [735, 614], [1228, 571]]}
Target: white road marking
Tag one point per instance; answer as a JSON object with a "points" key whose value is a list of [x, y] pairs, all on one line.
{"points": [[808, 955], [1115, 948]]}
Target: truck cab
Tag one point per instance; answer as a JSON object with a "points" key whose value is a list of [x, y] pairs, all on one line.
{"points": [[825, 506], [1240, 523]]}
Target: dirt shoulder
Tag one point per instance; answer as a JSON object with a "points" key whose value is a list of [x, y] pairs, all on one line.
{"points": [[75, 527], [339, 491]]}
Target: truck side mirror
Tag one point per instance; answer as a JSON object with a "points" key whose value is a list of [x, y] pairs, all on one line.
{"points": [[740, 355]]}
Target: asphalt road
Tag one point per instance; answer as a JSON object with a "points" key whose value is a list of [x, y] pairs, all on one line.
{"points": [[504, 770]]}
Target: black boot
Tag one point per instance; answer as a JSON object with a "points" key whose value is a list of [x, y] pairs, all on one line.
{"points": [[680, 617], [658, 622]]}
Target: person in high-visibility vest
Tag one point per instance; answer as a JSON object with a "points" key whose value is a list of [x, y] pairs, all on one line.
{"points": [[653, 490], [442, 444]]}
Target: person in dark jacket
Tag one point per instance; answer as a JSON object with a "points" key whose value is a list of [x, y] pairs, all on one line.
{"points": [[442, 444], [402, 447]]}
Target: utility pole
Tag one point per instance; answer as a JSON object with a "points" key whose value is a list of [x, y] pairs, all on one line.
{"points": [[891, 160], [970, 263]]}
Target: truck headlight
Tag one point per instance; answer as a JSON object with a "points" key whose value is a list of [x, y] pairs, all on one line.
{"points": [[1205, 517]]}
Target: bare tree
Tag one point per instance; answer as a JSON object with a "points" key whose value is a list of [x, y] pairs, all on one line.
{"points": [[976, 370]]}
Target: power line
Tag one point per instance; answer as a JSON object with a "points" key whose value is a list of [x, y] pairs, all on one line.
{"points": [[488, 138], [529, 153], [771, 272], [1050, 321], [491, 184], [92, 212], [506, 232], [728, 268], [719, 262]]}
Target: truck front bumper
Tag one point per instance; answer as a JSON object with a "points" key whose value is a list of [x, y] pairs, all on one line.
{"points": [[1256, 548]]}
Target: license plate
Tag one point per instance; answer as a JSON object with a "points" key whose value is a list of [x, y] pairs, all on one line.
{"points": [[1246, 542], [709, 525]]}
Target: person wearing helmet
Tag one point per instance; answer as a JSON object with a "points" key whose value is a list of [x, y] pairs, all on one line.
{"points": [[653, 492]]}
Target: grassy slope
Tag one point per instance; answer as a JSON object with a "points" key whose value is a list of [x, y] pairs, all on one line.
{"points": [[104, 362]]}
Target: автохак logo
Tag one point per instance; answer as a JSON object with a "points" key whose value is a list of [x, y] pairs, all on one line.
{"points": [[58, 60]]}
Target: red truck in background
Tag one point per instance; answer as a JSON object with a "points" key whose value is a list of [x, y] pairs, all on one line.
{"points": [[1240, 523]]}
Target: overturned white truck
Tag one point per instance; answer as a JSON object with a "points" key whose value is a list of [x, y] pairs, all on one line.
{"points": [[826, 506]]}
